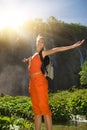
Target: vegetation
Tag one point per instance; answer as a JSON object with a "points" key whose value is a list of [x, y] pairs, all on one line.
{"points": [[17, 111], [15, 123], [17, 44], [64, 104], [18, 106], [59, 106], [83, 74], [78, 102]]}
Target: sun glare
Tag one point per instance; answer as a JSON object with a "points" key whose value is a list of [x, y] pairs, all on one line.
{"points": [[11, 18]]}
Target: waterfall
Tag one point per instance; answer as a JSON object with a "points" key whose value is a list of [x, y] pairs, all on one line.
{"points": [[80, 52], [85, 55], [81, 55]]}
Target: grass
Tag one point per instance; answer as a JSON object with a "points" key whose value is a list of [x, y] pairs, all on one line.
{"points": [[81, 126]]}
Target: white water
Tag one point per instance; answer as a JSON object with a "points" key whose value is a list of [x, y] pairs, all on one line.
{"points": [[79, 118]]}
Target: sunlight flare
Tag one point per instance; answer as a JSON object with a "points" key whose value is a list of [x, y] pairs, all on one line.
{"points": [[11, 18]]}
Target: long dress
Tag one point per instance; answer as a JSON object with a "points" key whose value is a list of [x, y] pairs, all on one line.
{"points": [[38, 87]]}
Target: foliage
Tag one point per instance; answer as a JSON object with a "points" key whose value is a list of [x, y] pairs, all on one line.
{"points": [[57, 33], [78, 102], [59, 107], [19, 106], [83, 74], [12, 123], [18, 110], [64, 103]]}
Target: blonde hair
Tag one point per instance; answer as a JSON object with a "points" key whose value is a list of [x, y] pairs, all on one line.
{"points": [[40, 37]]}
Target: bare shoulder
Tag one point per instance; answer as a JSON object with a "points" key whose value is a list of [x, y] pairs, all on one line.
{"points": [[50, 51]]}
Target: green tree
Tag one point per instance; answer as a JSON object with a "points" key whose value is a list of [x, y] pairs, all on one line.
{"points": [[83, 74]]}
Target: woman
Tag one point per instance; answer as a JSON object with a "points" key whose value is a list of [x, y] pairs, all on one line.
{"points": [[38, 86]]}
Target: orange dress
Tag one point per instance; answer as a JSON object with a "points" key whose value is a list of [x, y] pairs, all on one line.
{"points": [[38, 87]]}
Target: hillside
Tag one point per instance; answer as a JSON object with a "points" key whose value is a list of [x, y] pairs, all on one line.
{"points": [[17, 44]]}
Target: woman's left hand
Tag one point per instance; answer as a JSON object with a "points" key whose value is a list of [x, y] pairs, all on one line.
{"points": [[78, 43]]}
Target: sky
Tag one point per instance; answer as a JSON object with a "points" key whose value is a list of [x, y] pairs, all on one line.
{"points": [[14, 12]]}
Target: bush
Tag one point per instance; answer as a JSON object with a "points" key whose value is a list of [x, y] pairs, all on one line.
{"points": [[7, 123], [59, 107], [19, 106], [78, 102], [83, 74], [63, 104]]}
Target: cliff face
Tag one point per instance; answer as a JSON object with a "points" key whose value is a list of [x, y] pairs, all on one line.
{"points": [[14, 78], [67, 66]]}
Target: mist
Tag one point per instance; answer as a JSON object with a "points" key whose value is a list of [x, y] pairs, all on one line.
{"points": [[14, 78]]}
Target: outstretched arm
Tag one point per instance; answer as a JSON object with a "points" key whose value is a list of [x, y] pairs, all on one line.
{"points": [[60, 49]]}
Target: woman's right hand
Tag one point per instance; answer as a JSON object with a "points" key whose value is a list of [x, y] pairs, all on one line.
{"points": [[24, 60]]}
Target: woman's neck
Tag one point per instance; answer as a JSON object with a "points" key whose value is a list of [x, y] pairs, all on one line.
{"points": [[38, 50]]}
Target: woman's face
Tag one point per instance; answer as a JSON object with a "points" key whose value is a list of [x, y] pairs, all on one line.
{"points": [[40, 44]]}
